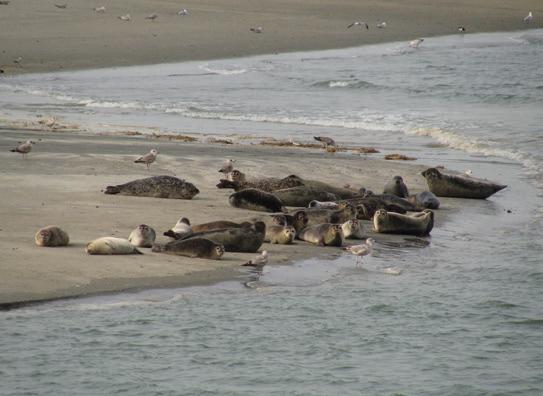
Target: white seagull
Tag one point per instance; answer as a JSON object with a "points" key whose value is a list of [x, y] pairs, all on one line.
{"points": [[258, 262], [126, 18], [415, 43], [100, 10], [152, 17], [18, 60], [23, 148], [461, 29], [148, 158], [382, 25], [361, 250], [257, 29], [228, 166], [183, 12], [528, 18], [357, 23]]}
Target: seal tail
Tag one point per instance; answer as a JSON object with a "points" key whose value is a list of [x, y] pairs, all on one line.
{"points": [[112, 190], [157, 248]]}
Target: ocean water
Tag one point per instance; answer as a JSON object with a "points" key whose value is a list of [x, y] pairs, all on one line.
{"points": [[463, 317]]}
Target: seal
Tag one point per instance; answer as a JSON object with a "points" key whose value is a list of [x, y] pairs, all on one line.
{"points": [[215, 225], [301, 196], [283, 235], [425, 199], [142, 236], [323, 205], [396, 187], [395, 223], [247, 239], [459, 186], [345, 211], [253, 199], [340, 192], [323, 235], [368, 205], [180, 230], [236, 176], [156, 187], [193, 247], [111, 245], [270, 184], [353, 229], [51, 236]]}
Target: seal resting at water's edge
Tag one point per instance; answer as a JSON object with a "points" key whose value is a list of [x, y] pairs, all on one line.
{"points": [[142, 236], [425, 199], [396, 187], [247, 239], [156, 187], [457, 186], [253, 199], [192, 247], [111, 245], [51, 236], [395, 223], [353, 229], [323, 235], [283, 235]]}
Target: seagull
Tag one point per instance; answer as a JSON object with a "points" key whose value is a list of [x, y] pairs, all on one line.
{"points": [[126, 18], [61, 5], [258, 262], [257, 29], [100, 10], [18, 60], [23, 148], [183, 12], [357, 23], [528, 18], [148, 158], [461, 29], [361, 250], [228, 166], [382, 25], [415, 43], [326, 140], [152, 17]]}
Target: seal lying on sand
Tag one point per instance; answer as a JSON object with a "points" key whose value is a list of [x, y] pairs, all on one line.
{"points": [[180, 230], [458, 186], [246, 239], [193, 247], [323, 235], [301, 196], [353, 229], [156, 187], [216, 225], [111, 245], [254, 199], [270, 184], [142, 236], [283, 235], [425, 199], [323, 205], [395, 223], [367, 206], [396, 187], [345, 212], [51, 236], [297, 219]]}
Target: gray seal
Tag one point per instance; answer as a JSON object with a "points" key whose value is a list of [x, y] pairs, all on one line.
{"points": [[247, 239], [323, 235], [193, 247], [156, 187], [457, 186], [283, 235], [269, 184], [51, 236], [142, 236], [301, 196], [396, 187], [425, 199], [111, 245], [253, 199], [395, 223]]}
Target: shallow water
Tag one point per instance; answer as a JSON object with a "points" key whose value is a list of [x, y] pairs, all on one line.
{"points": [[463, 317]]}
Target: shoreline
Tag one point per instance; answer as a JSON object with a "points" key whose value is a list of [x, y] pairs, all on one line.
{"points": [[77, 38]]}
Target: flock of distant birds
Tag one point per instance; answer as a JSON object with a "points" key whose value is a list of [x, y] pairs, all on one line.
{"points": [[257, 29]]}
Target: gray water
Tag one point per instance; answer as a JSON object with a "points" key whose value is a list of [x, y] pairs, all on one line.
{"points": [[464, 317]]}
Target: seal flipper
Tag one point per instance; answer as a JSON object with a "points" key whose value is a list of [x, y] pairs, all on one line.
{"points": [[112, 190]]}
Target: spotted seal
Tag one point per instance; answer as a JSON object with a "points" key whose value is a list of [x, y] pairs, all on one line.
{"points": [[459, 186], [180, 230], [425, 199], [142, 236], [270, 184], [395, 223], [192, 247], [323, 205], [51, 236], [111, 245], [216, 225], [301, 196], [246, 239], [323, 235], [353, 229], [156, 187], [345, 212], [283, 235], [253, 199], [396, 187]]}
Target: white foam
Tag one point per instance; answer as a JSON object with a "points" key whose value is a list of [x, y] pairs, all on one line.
{"points": [[224, 72]]}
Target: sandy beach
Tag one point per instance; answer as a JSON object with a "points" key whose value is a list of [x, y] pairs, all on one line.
{"points": [[49, 38]]}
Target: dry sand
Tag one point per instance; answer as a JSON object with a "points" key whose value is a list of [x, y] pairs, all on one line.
{"points": [[48, 38], [60, 183]]}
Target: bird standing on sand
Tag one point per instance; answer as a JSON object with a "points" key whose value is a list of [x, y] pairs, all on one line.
{"points": [[100, 9], [23, 148], [382, 25], [126, 18], [358, 23], [257, 29], [152, 17], [183, 12], [18, 60], [148, 158], [415, 43], [361, 250], [461, 29], [326, 140], [528, 18], [258, 262], [61, 6], [228, 166]]}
